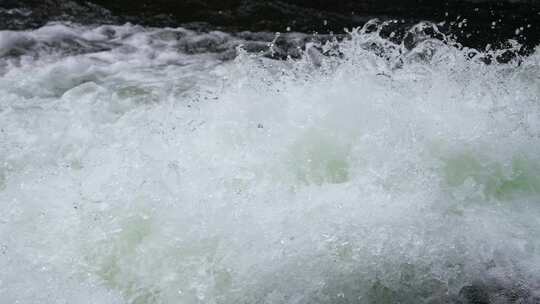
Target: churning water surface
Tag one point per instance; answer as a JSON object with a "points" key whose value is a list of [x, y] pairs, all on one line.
{"points": [[147, 165]]}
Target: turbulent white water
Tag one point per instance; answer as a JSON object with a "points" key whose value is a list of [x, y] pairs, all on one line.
{"points": [[136, 167]]}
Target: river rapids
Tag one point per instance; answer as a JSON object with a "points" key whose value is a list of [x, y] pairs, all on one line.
{"points": [[164, 165]]}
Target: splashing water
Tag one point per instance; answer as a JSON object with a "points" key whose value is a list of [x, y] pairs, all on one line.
{"points": [[139, 167]]}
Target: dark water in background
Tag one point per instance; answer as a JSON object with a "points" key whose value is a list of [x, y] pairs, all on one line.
{"points": [[474, 23]]}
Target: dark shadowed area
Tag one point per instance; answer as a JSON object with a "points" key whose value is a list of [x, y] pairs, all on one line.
{"points": [[474, 23]]}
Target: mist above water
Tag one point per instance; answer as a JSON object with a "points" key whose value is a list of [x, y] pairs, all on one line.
{"points": [[146, 165]]}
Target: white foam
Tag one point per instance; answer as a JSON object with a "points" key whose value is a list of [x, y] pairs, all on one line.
{"points": [[145, 175]]}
